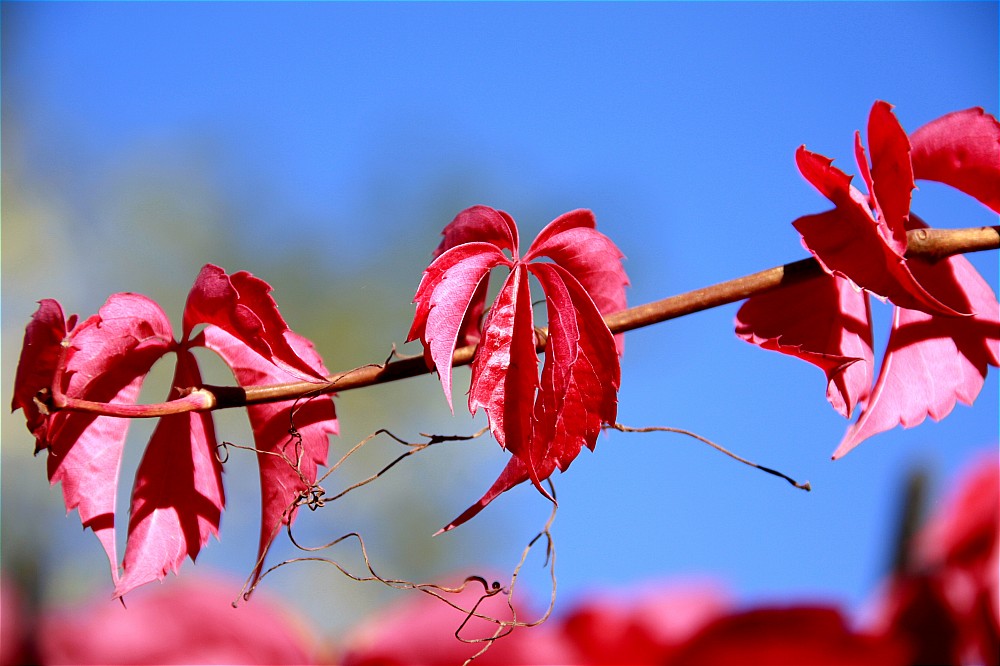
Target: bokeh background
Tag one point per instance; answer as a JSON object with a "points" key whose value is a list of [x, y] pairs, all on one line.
{"points": [[322, 146]]}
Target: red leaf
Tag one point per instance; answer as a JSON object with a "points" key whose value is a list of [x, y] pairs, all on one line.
{"points": [[543, 429], [190, 621], [36, 369], [429, 631], [934, 358], [592, 258], [890, 179], [505, 371], [848, 241], [241, 305], [448, 290], [778, 636], [646, 625], [824, 321], [177, 499], [961, 149], [946, 602], [579, 388], [513, 474], [288, 465], [480, 224], [931, 362], [106, 358], [477, 224], [964, 531]]}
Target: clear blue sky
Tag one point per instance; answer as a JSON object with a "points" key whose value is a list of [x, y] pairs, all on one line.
{"points": [[675, 122]]}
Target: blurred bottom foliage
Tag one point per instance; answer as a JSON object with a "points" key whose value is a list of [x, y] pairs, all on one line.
{"points": [[939, 605]]}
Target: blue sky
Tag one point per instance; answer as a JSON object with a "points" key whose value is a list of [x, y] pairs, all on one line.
{"points": [[328, 129]]}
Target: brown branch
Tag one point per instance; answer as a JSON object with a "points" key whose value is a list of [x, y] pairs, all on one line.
{"points": [[928, 244]]}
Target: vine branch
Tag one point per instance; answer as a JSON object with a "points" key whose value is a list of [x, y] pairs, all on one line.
{"points": [[928, 244]]}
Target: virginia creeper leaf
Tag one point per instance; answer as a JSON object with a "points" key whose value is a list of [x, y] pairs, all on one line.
{"points": [[288, 465], [543, 422], [41, 353], [765, 636], [505, 371], [847, 241], [514, 473], [579, 387], [930, 362], [933, 358], [890, 177], [177, 498], [241, 305], [572, 242], [480, 224], [477, 224], [825, 321], [447, 291], [961, 149], [106, 358]]}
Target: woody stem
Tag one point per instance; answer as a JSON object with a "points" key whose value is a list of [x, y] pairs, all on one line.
{"points": [[927, 244]]}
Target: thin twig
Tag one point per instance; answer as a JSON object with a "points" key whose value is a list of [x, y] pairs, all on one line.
{"points": [[680, 431], [928, 244]]}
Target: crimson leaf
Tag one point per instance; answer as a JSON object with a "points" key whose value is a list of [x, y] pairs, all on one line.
{"points": [[946, 325], [288, 461], [177, 499], [543, 422]]}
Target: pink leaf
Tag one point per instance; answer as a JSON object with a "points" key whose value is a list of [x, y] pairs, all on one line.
{"points": [[448, 290], [543, 429], [177, 499], [288, 465], [421, 629], [241, 305], [848, 241], [815, 635], [580, 379], [480, 224], [477, 224], [931, 362], [505, 370], [890, 179], [824, 321], [41, 353], [591, 257], [107, 357], [189, 621], [961, 149]]}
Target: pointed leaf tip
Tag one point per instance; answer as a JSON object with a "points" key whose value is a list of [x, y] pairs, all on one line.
{"points": [[241, 304]]}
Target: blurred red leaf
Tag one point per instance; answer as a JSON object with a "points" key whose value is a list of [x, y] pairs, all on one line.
{"points": [[946, 603], [818, 636], [425, 631], [189, 621]]}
